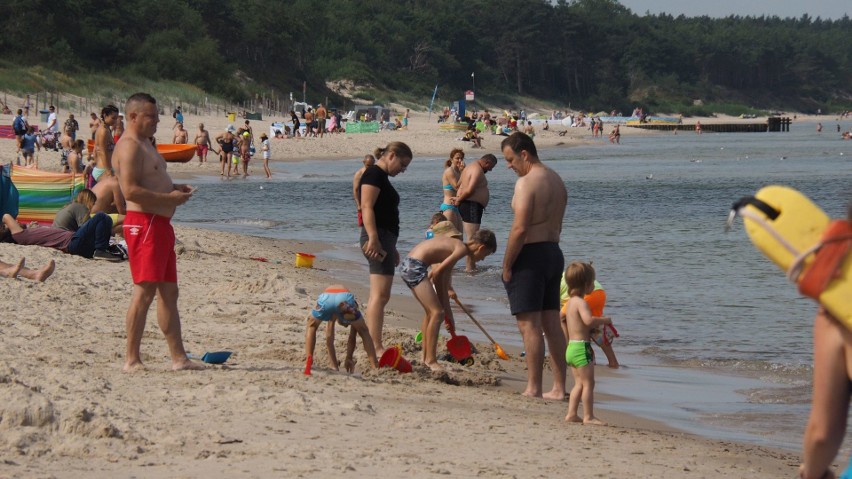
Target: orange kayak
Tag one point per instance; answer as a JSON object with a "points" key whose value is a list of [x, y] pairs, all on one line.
{"points": [[170, 151], [176, 153]]}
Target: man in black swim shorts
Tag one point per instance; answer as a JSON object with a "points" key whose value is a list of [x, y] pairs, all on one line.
{"points": [[472, 197], [533, 262]]}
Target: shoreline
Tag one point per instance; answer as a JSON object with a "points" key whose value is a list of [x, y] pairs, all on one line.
{"points": [[423, 136], [63, 370]]}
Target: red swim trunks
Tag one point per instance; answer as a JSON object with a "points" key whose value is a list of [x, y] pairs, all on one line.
{"points": [[150, 248], [201, 150]]}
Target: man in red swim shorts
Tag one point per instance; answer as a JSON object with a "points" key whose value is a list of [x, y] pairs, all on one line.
{"points": [[202, 143], [152, 199]]}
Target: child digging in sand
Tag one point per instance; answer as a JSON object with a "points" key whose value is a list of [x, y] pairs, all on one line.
{"points": [[336, 302], [581, 281], [442, 252]]}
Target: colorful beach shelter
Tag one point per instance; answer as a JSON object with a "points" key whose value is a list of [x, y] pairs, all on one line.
{"points": [[42, 194], [8, 192]]}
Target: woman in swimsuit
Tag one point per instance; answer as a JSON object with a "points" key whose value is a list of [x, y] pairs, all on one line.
{"points": [[450, 180]]}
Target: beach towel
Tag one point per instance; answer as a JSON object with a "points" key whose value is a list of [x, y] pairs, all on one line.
{"points": [[42, 194], [6, 131], [8, 192]]}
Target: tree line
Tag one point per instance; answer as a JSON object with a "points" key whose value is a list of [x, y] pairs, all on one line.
{"points": [[594, 54]]}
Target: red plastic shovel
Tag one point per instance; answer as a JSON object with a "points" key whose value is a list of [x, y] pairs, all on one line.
{"points": [[459, 346]]}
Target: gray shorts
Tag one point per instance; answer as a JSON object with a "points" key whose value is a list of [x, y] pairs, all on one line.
{"points": [[413, 271], [388, 241]]}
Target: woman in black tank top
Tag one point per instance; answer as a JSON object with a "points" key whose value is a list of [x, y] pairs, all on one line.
{"points": [[380, 213]]}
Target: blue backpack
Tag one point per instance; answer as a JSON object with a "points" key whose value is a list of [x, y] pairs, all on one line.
{"points": [[18, 125]]}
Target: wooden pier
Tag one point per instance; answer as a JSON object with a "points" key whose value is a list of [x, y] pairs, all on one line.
{"points": [[771, 124]]}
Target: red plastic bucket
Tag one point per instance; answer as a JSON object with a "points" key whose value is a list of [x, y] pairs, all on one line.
{"points": [[393, 358], [459, 347]]}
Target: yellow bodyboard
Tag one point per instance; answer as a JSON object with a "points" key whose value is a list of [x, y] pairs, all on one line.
{"points": [[800, 224]]}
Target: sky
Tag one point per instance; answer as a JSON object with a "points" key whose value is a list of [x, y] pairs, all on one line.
{"points": [[826, 9]]}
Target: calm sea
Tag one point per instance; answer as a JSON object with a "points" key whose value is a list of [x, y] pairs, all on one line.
{"points": [[714, 339]]}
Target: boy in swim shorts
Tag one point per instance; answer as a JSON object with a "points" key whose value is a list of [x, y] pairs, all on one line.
{"points": [[581, 281], [442, 252], [337, 303]]}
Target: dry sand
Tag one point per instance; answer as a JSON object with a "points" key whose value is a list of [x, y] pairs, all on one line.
{"points": [[68, 410]]}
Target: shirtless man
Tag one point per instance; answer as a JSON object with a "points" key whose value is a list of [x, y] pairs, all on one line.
{"points": [[472, 198], [181, 136], [110, 200], [322, 115], [309, 123], [533, 263], [369, 160], [94, 124], [202, 143], [152, 199], [104, 143], [66, 141]]}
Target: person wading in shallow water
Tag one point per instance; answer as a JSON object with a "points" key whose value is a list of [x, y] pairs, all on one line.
{"points": [[533, 263]]}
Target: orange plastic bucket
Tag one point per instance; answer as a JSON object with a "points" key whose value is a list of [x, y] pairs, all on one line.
{"points": [[304, 260], [393, 358]]}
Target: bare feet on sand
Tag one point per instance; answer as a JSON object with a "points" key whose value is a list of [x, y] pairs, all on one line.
{"points": [[134, 367], [187, 365], [435, 367], [593, 421], [550, 396], [45, 271], [13, 269], [555, 396]]}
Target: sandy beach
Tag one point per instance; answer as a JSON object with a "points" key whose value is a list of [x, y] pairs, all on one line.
{"points": [[68, 410]]}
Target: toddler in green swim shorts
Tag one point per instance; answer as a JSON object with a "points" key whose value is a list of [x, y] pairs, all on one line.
{"points": [[580, 278]]}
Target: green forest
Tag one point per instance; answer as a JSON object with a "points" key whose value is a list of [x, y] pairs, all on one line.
{"points": [[593, 54]]}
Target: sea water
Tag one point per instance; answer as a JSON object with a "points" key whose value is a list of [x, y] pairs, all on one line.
{"points": [[714, 339]]}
